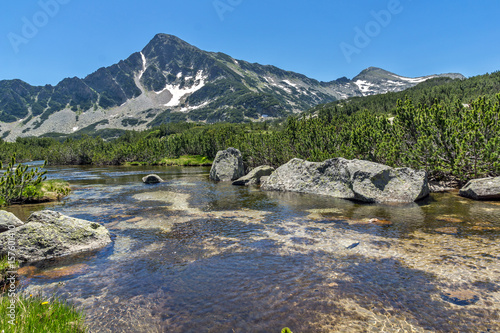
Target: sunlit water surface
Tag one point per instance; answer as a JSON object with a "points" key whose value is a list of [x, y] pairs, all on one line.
{"points": [[193, 255]]}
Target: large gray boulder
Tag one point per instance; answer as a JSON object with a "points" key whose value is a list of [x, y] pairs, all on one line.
{"points": [[350, 179], [254, 176], [482, 189], [8, 221], [227, 166], [48, 234]]}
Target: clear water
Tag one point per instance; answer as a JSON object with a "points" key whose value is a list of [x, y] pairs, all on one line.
{"points": [[192, 255]]}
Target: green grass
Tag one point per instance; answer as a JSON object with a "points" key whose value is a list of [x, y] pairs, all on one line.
{"points": [[36, 314], [186, 160], [48, 190]]}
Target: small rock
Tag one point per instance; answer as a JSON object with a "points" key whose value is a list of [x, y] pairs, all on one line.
{"points": [[353, 245], [373, 221], [27, 270], [254, 176], [61, 272], [482, 189], [447, 230], [484, 227], [152, 179], [460, 297], [380, 222], [7, 220], [450, 219]]}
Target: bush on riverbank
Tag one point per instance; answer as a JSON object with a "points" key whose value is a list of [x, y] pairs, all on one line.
{"points": [[21, 184]]}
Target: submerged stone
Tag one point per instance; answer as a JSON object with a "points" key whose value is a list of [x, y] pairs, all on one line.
{"points": [[447, 230], [447, 218], [460, 297]]}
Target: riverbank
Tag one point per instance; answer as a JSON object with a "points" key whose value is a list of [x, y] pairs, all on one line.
{"points": [[184, 160]]}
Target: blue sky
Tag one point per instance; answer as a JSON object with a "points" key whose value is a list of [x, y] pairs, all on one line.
{"points": [[42, 42]]}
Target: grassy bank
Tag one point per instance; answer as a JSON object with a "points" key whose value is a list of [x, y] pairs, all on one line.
{"points": [[27, 313], [36, 314], [185, 160]]}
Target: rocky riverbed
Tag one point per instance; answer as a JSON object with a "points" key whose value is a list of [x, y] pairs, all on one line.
{"points": [[192, 254]]}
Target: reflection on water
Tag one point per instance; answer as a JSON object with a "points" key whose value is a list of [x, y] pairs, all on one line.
{"points": [[190, 255]]}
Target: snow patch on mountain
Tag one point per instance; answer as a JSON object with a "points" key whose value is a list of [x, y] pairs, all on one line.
{"points": [[364, 86], [143, 65], [178, 93]]}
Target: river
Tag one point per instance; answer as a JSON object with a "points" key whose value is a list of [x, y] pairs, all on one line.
{"points": [[193, 255]]}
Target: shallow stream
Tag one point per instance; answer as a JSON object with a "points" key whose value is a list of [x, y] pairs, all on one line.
{"points": [[192, 255]]}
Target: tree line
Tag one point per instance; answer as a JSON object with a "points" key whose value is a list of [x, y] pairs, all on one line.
{"points": [[449, 140]]}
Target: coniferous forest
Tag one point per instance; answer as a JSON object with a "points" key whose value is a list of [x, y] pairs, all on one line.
{"points": [[451, 128]]}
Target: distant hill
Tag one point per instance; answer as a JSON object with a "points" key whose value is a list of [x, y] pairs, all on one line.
{"points": [[171, 80], [442, 90]]}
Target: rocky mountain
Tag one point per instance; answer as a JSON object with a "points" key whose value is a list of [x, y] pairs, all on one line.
{"points": [[171, 80]]}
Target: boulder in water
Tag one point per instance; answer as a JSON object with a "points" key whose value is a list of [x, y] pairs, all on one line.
{"points": [[482, 189], [48, 234], [358, 180], [227, 166]]}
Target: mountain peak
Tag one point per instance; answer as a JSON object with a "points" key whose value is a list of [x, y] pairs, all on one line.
{"points": [[171, 80]]}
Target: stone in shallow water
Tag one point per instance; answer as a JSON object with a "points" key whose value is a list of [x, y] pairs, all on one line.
{"points": [[373, 221], [61, 272], [227, 166], [352, 246], [447, 218], [482, 189], [152, 179], [48, 234], [447, 230], [381, 222], [358, 180], [460, 297], [484, 226]]}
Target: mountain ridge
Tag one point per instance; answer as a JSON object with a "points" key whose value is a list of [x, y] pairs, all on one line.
{"points": [[172, 80]]}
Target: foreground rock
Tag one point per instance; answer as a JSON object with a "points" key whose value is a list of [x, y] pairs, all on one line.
{"points": [[227, 166], [254, 176], [482, 189], [8, 220], [49, 234], [350, 179], [152, 179]]}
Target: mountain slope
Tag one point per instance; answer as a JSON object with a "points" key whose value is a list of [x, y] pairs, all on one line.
{"points": [[171, 80]]}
